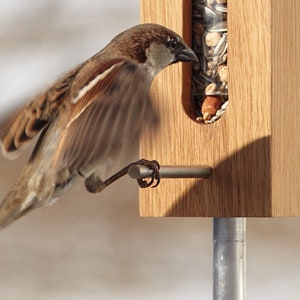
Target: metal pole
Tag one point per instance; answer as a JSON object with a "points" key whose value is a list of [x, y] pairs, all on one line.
{"points": [[229, 258]]}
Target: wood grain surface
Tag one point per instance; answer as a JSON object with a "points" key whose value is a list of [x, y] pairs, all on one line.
{"points": [[285, 110], [254, 148]]}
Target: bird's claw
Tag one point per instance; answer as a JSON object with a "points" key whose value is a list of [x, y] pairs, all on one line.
{"points": [[154, 166]]}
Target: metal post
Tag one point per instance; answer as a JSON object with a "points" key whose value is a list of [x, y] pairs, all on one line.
{"points": [[229, 258]]}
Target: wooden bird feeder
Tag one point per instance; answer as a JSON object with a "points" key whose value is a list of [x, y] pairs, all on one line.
{"points": [[254, 148]]}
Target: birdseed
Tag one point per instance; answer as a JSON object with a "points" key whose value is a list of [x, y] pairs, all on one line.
{"points": [[210, 74]]}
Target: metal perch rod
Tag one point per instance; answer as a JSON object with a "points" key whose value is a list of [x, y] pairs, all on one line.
{"points": [[199, 171]]}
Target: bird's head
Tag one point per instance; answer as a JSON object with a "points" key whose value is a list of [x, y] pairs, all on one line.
{"points": [[153, 45]]}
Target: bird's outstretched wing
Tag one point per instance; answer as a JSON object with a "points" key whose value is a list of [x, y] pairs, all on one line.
{"points": [[109, 111], [18, 130]]}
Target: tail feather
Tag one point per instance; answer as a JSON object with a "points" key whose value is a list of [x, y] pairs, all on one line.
{"points": [[17, 203], [25, 195]]}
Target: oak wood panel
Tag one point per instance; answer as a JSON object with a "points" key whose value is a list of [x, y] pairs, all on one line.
{"points": [[241, 147], [285, 85]]}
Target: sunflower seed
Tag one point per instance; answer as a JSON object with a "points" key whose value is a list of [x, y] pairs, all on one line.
{"points": [[210, 75]]}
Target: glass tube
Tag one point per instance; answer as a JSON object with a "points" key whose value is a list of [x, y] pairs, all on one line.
{"points": [[210, 75]]}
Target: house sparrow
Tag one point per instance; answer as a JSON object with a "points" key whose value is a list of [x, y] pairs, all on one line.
{"points": [[87, 117]]}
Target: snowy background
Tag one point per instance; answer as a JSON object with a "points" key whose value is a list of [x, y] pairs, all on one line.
{"points": [[97, 247]]}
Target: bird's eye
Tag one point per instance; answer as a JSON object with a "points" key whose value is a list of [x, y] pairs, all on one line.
{"points": [[173, 43]]}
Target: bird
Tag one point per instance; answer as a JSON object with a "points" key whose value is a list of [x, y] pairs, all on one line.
{"points": [[86, 119]]}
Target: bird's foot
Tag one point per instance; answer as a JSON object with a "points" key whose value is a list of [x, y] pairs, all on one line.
{"points": [[152, 165]]}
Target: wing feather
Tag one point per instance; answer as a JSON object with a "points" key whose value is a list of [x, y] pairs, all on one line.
{"points": [[107, 115], [19, 129]]}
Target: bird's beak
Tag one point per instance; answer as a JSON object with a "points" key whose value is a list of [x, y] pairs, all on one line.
{"points": [[187, 55]]}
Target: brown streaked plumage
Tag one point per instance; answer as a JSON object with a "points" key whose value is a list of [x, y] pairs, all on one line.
{"points": [[88, 117]]}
